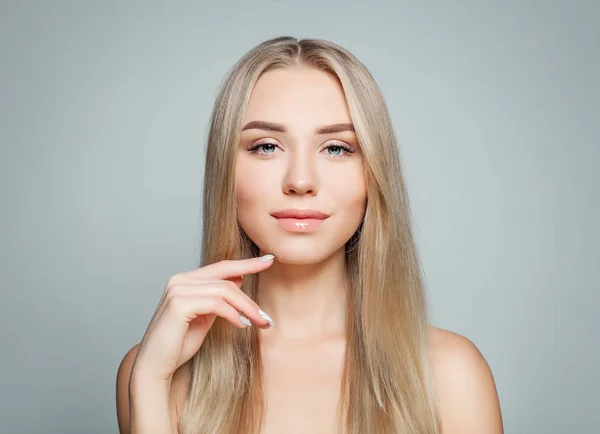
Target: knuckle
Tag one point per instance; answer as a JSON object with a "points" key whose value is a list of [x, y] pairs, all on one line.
{"points": [[174, 289], [230, 286], [213, 302], [230, 290], [173, 280], [233, 288], [220, 287], [175, 305]]}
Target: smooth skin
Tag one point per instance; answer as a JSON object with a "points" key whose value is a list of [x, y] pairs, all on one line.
{"points": [[303, 289]]}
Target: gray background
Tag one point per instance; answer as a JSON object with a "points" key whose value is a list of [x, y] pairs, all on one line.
{"points": [[104, 109]]}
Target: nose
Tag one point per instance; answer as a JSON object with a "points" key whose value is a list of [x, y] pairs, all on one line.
{"points": [[300, 176]]}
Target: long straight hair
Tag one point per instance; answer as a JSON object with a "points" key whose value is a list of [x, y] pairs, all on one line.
{"points": [[387, 384]]}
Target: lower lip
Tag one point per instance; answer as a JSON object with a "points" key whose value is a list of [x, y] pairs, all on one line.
{"points": [[300, 225]]}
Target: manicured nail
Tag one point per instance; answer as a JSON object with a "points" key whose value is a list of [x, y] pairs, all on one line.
{"points": [[245, 320], [266, 258], [265, 316]]}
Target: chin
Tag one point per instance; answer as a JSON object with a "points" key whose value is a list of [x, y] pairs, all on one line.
{"points": [[301, 252], [297, 259]]}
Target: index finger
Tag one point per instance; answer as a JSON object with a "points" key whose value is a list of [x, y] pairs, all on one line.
{"points": [[233, 267]]}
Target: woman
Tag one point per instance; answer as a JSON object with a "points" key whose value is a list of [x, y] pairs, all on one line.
{"points": [[302, 164]]}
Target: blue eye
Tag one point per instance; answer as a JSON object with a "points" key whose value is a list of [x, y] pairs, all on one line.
{"points": [[340, 148], [263, 146], [343, 150]]}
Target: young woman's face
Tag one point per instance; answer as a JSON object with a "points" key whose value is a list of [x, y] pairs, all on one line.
{"points": [[291, 166]]}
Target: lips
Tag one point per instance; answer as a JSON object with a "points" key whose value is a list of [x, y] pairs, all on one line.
{"points": [[299, 214]]}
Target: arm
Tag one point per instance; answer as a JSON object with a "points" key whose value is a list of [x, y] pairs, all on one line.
{"points": [[142, 407], [467, 393]]}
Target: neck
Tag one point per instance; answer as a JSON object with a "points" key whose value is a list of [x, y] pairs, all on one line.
{"points": [[305, 300]]}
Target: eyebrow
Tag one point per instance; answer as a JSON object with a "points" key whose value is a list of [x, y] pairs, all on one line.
{"points": [[271, 126]]}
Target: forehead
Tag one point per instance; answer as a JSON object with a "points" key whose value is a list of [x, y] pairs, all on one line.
{"points": [[299, 97]]}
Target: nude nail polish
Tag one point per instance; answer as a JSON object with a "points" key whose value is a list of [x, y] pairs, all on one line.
{"points": [[265, 316], [245, 320], [266, 258]]}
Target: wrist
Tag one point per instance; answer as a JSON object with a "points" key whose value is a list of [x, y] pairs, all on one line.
{"points": [[141, 383], [142, 377]]}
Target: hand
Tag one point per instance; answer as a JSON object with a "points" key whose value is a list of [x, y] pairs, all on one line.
{"points": [[188, 308]]}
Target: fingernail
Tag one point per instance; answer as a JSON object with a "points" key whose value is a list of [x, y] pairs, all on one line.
{"points": [[266, 258], [245, 320], [265, 316]]}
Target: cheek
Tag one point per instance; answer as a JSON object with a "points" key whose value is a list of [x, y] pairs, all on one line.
{"points": [[250, 185], [252, 193], [351, 194]]}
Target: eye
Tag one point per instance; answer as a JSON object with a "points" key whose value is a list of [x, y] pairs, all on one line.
{"points": [[265, 146], [343, 150]]}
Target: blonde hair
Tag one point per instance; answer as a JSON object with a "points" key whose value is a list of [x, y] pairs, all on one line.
{"points": [[387, 383]]}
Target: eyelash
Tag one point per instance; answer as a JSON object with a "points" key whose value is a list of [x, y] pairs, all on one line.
{"points": [[348, 150]]}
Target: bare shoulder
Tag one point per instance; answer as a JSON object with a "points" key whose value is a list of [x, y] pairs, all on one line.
{"points": [[465, 385], [122, 392], [179, 387]]}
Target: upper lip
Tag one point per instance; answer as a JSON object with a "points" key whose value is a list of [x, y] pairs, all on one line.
{"points": [[299, 214]]}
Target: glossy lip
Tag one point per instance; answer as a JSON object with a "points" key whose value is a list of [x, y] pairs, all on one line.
{"points": [[292, 213]]}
